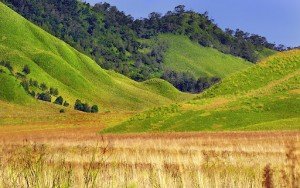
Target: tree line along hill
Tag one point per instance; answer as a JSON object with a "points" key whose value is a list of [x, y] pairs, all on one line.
{"points": [[119, 42]]}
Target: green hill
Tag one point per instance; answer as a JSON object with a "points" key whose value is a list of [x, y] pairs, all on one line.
{"points": [[75, 75], [263, 97], [112, 38], [186, 56], [12, 91]]}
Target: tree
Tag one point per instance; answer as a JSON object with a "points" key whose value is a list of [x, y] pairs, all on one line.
{"points": [[7, 65], [280, 47], [43, 86], [33, 83], [229, 31], [59, 100], [94, 109], [78, 105], [180, 9], [54, 91], [26, 69], [44, 97], [66, 104], [32, 93]]}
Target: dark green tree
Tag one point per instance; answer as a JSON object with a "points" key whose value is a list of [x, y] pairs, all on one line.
{"points": [[180, 9], [33, 83], [66, 104], [94, 109], [59, 100], [78, 105], [26, 69], [54, 91], [44, 97], [32, 93], [43, 86]]}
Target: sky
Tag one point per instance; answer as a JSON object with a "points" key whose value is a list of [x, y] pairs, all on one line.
{"points": [[278, 20]]}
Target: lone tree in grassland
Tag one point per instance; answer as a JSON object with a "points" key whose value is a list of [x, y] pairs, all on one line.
{"points": [[26, 69], [59, 100]]}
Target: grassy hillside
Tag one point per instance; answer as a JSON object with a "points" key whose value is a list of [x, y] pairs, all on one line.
{"points": [[263, 97], [75, 75], [185, 55], [12, 91], [265, 52]]}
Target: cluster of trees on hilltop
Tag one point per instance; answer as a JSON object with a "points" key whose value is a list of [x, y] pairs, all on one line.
{"points": [[202, 29], [113, 39]]}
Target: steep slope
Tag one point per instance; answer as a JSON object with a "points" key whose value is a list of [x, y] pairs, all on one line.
{"points": [[75, 75], [186, 56], [12, 91], [263, 97]]}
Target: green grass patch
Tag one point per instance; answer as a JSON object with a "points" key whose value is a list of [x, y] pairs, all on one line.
{"points": [[186, 56]]}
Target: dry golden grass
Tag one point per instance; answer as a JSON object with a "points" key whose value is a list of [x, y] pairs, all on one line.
{"points": [[79, 157]]}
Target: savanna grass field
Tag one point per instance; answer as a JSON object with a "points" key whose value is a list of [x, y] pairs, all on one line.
{"points": [[80, 157]]}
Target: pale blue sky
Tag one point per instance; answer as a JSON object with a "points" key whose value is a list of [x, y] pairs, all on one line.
{"points": [[278, 20]]}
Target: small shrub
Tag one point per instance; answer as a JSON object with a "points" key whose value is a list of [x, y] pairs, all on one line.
{"points": [[66, 104], [53, 91], [59, 100], [20, 76], [95, 109], [62, 111], [44, 97], [43, 86], [26, 69], [7, 65], [32, 93], [2, 71], [25, 85], [78, 105], [33, 83]]}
